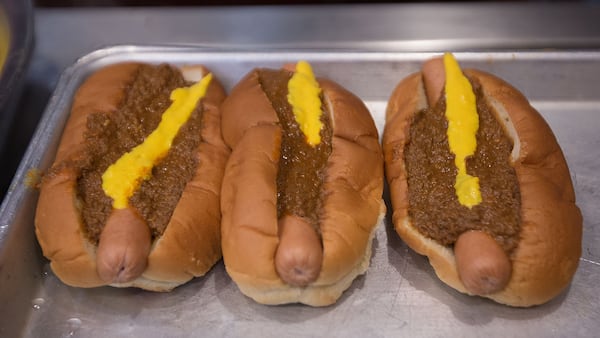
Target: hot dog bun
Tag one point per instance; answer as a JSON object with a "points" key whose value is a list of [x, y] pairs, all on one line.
{"points": [[549, 245], [352, 189], [190, 244]]}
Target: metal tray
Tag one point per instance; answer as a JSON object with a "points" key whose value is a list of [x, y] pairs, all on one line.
{"points": [[398, 296]]}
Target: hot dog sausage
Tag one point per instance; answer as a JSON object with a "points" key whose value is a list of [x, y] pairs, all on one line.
{"points": [[482, 264], [123, 247], [434, 77], [299, 255], [483, 267]]}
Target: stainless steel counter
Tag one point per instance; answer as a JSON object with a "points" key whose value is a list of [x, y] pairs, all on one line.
{"points": [[63, 35]]}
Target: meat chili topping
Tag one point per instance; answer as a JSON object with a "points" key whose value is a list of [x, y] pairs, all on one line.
{"points": [[111, 134], [301, 166], [434, 208]]}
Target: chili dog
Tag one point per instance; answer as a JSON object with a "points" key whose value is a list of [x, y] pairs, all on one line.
{"points": [[302, 191], [132, 198], [479, 185]]}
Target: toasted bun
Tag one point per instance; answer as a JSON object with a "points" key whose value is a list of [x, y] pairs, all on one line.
{"points": [[549, 249], [189, 246], [352, 208]]}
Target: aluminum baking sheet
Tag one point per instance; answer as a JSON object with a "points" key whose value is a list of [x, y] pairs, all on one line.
{"points": [[399, 295]]}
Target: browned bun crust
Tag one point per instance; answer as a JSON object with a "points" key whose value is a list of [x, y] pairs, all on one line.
{"points": [[549, 249], [353, 187], [189, 246]]}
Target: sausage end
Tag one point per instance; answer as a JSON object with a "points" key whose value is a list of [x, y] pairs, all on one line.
{"points": [[434, 78], [123, 249], [483, 266], [299, 256]]}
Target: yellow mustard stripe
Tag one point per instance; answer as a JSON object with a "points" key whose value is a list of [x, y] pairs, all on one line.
{"points": [[123, 178], [463, 122], [303, 96]]}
